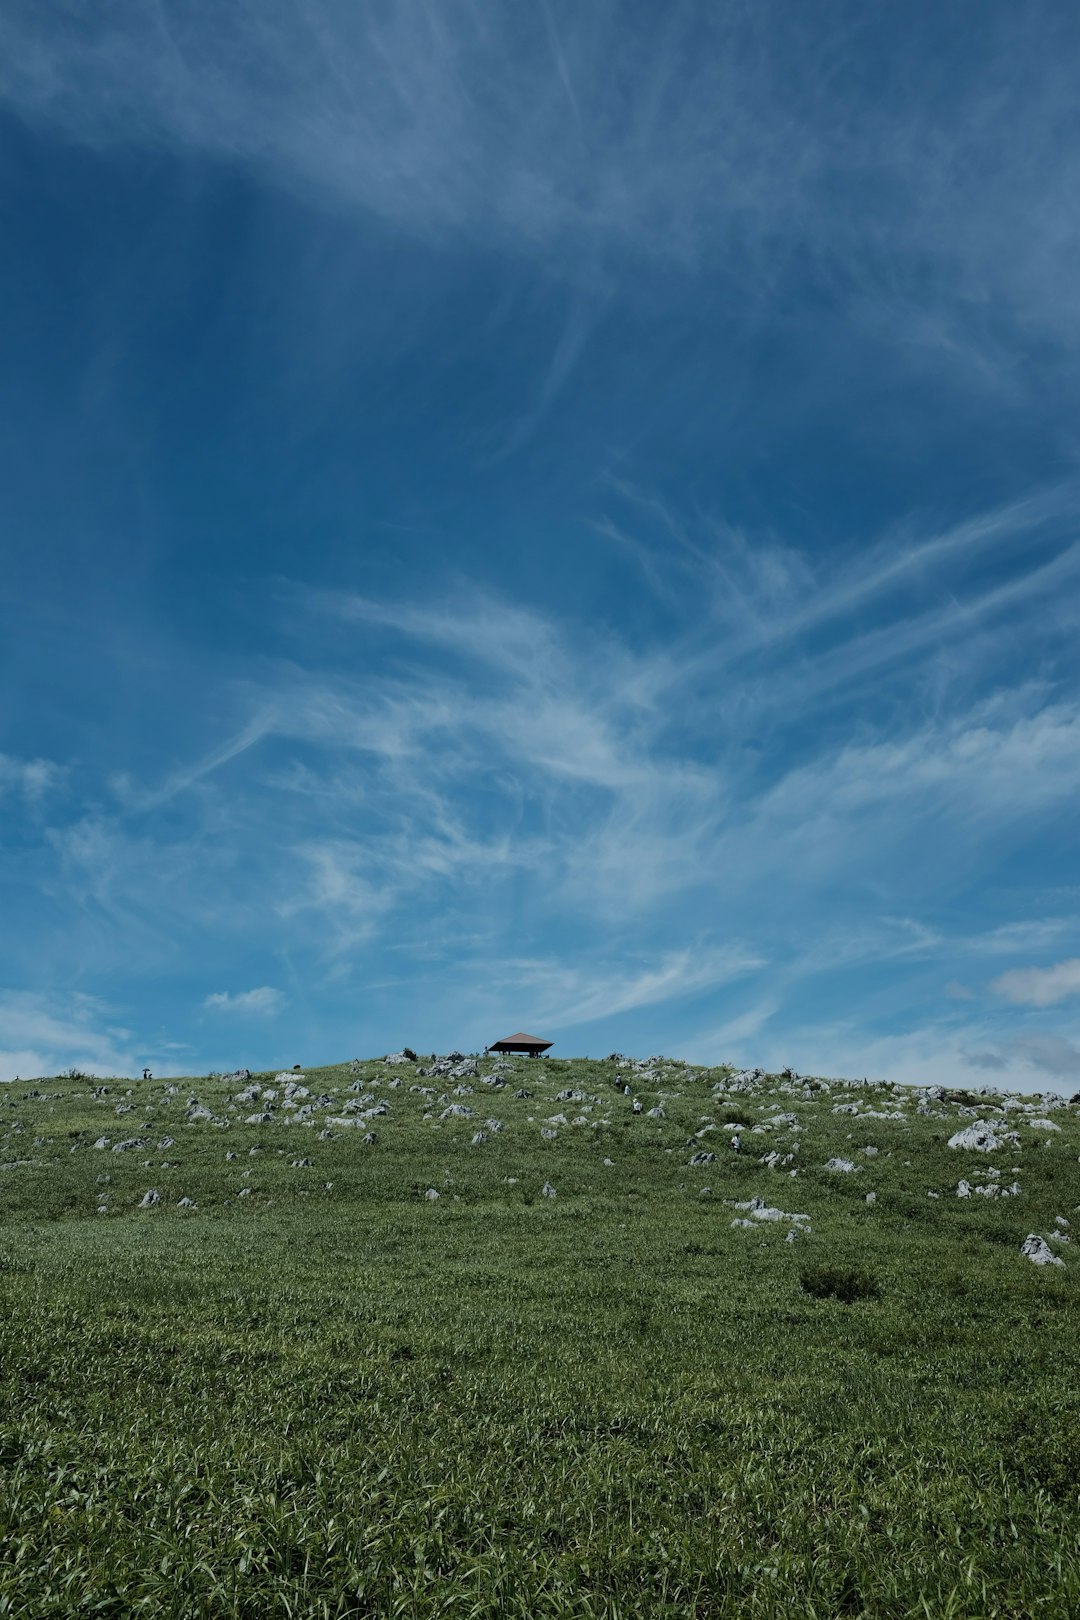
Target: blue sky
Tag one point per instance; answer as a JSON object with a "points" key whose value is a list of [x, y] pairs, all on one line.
{"points": [[540, 516]]}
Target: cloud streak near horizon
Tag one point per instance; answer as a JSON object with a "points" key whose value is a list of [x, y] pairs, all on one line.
{"points": [[550, 516]]}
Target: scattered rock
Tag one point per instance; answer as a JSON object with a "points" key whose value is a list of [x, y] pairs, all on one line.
{"points": [[547, 1190], [431, 1195], [841, 1165], [1039, 1252], [150, 1198], [982, 1137]]}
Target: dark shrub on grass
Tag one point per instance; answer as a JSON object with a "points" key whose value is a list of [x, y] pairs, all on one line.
{"points": [[838, 1282]]}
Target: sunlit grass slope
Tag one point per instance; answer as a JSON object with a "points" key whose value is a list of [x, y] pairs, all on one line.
{"points": [[319, 1390]]}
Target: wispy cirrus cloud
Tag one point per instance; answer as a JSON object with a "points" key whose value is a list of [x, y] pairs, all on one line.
{"points": [[563, 996], [498, 776], [745, 141]]}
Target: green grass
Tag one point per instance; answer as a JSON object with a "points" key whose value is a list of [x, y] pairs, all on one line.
{"points": [[350, 1400]]}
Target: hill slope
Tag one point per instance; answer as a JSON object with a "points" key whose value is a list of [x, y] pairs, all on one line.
{"points": [[252, 1365]]}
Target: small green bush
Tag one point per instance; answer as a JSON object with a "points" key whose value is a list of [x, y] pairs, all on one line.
{"points": [[836, 1282]]}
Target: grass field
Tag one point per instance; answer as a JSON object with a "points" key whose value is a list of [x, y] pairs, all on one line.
{"points": [[319, 1391]]}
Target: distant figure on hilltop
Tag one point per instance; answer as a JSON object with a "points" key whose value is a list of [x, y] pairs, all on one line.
{"points": [[147, 1075], [735, 1142]]}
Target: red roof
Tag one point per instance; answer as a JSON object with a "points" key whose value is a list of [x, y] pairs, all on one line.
{"points": [[521, 1040]]}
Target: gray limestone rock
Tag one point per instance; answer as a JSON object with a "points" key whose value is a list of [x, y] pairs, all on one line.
{"points": [[150, 1198], [1039, 1252], [980, 1137]]}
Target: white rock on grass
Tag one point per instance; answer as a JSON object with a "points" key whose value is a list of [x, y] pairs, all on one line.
{"points": [[982, 1137], [1043, 1125], [150, 1198], [963, 1189], [431, 1195], [841, 1165], [1039, 1252], [547, 1190]]}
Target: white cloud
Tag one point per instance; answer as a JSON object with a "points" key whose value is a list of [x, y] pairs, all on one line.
{"points": [[705, 135], [1039, 987], [262, 1002], [936, 1054], [34, 778], [47, 1034], [564, 995]]}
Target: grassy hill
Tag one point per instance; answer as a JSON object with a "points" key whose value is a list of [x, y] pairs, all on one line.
{"points": [[585, 1379]]}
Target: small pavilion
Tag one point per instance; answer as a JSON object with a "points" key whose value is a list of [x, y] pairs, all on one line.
{"points": [[531, 1045]]}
